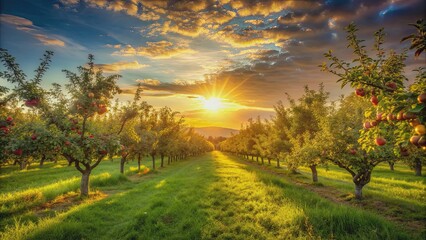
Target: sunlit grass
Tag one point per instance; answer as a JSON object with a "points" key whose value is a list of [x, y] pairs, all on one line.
{"points": [[210, 197], [399, 186], [267, 207]]}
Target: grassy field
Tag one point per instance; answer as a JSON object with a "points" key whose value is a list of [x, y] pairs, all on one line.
{"points": [[215, 196], [398, 194]]}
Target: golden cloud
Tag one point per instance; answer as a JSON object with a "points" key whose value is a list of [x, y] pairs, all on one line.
{"points": [[69, 2], [27, 26], [116, 46], [254, 21], [45, 40], [149, 81], [120, 66], [15, 20], [161, 49], [267, 7]]}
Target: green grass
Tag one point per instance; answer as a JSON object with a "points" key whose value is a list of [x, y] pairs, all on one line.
{"points": [[400, 192], [215, 196], [398, 186]]}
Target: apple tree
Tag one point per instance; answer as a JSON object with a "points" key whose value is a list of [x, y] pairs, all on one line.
{"points": [[382, 80], [88, 94], [339, 142]]}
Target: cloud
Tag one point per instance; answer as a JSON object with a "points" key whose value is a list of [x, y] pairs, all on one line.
{"points": [[161, 49], [25, 25], [69, 2], [280, 43], [45, 40], [120, 66], [15, 20], [116, 46], [254, 21], [149, 82], [267, 7]]}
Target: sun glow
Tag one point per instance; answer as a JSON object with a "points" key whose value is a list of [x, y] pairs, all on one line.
{"points": [[212, 104]]}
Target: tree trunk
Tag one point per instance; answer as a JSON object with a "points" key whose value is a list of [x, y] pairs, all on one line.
{"points": [[361, 179], [358, 191], [391, 166], [418, 167], [257, 159], [278, 163], [162, 160], [252, 158], [153, 162], [269, 161], [263, 160], [139, 162], [70, 161], [23, 164], [314, 173], [122, 161], [168, 160], [42, 160], [84, 186]]}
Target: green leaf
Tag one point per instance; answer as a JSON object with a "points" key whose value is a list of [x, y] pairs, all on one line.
{"points": [[417, 109]]}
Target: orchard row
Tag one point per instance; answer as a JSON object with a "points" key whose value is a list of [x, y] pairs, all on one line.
{"points": [[384, 121], [83, 125]]}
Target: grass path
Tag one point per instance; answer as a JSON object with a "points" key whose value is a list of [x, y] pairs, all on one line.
{"points": [[210, 197]]}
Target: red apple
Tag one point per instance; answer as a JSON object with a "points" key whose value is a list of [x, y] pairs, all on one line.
{"points": [[379, 117], [91, 136], [360, 92], [409, 115], [367, 125], [374, 123], [102, 109], [420, 129], [391, 85], [5, 130], [352, 151], [380, 141], [32, 102], [9, 119], [422, 98], [374, 100], [414, 139], [18, 152], [91, 95], [67, 143], [34, 136]]}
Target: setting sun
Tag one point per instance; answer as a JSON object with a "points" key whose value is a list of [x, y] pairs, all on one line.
{"points": [[212, 104]]}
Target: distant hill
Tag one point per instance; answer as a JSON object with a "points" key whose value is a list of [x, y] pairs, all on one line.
{"points": [[215, 131]]}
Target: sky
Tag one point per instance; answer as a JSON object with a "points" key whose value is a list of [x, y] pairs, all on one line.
{"points": [[217, 62]]}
